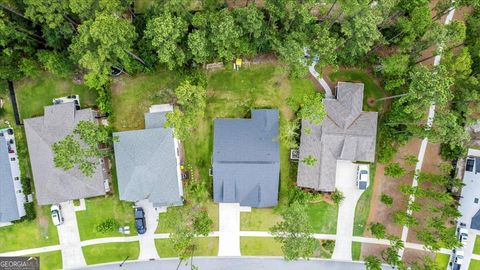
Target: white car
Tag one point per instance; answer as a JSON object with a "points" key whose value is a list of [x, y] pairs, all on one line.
{"points": [[363, 177], [462, 233], [457, 259], [57, 217]]}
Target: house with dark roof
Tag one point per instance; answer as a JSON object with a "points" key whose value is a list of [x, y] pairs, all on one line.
{"points": [[148, 161], [12, 198], [346, 133], [246, 160], [55, 185]]}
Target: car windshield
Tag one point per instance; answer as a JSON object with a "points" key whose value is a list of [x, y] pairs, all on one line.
{"points": [[363, 172], [139, 223], [54, 213]]}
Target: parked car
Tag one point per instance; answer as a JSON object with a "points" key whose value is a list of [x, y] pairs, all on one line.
{"points": [[140, 224], [462, 233], [457, 259], [57, 217], [362, 177]]}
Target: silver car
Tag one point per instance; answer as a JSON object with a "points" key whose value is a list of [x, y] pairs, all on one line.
{"points": [[56, 211]]}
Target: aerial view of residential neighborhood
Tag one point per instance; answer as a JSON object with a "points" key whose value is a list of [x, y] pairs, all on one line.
{"points": [[240, 134]]}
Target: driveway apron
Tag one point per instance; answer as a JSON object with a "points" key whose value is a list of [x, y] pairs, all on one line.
{"points": [[147, 240], [69, 237], [229, 234]]}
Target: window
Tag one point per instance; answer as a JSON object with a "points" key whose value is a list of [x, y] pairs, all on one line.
{"points": [[19, 191], [476, 200], [17, 178], [470, 163], [12, 159]]}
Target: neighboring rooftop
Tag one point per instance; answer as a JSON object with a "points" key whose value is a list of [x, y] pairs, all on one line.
{"points": [[55, 185], [148, 162], [346, 133], [246, 160], [470, 197], [11, 193]]}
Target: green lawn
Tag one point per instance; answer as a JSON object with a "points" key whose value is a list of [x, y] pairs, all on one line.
{"points": [[29, 234], [267, 246], [259, 219], [474, 265], [132, 96], [362, 209], [98, 210], [111, 252], [204, 246], [442, 260], [34, 94], [476, 247], [323, 217], [372, 90], [164, 226], [49, 260], [356, 250]]}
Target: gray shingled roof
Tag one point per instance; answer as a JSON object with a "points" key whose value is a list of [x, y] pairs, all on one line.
{"points": [[246, 160], [54, 185], [475, 221], [147, 164], [8, 200], [346, 133]]}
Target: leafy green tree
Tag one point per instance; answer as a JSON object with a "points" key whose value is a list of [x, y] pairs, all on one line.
{"points": [[167, 34], [252, 24], [53, 14], [386, 199], [294, 233], [289, 133], [395, 68], [224, 34], [402, 218], [372, 263], [202, 224], [378, 230], [447, 130], [56, 63], [394, 170], [312, 109], [101, 43], [83, 150], [323, 45], [309, 160], [291, 52], [410, 160], [200, 46]]}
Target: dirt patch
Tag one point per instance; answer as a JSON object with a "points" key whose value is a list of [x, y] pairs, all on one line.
{"points": [[371, 249], [415, 255], [381, 213]]}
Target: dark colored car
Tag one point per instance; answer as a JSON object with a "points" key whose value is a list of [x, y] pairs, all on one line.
{"points": [[140, 220]]}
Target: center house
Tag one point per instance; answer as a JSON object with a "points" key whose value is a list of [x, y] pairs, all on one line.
{"points": [[148, 161], [246, 160]]}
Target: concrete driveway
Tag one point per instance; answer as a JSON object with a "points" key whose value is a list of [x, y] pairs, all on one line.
{"points": [[345, 182], [229, 234], [147, 240], [69, 238]]}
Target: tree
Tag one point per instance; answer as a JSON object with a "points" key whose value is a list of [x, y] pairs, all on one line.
{"points": [[395, 68], [410, 160], [200, 46], [252, 24], [101, 43], [447, 130], [323, 46], [202, 224], [56, 63], [294, 233], [394, 170], [312, 108], [289, 133], [387, 200], [192, 99], [373, 263], [82, 147], [378, 230], [402, 218], [337, 196], [224, 35], [167, 34], [291, 52]]}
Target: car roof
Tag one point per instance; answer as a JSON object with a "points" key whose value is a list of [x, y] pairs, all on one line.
{"points": [[362, 185]]}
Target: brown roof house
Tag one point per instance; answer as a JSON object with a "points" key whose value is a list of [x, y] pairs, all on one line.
{"points": [[54, 185], [346, 133]]}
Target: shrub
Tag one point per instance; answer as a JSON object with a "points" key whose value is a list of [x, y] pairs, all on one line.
{"points": [[104, 101], [109, 225], [337, 196], [387, 200], [297, 195], [30, 212], [394, 170], [452, 153], [309, 160], [26, 185], [328, 245], [411, 160], [378, 230]]}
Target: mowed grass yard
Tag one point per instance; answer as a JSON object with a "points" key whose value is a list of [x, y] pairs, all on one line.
{"points": [[442, 260], [49, 260], [268, 246], [111, 252], [204, 246], [165, 224], [476, 247]]}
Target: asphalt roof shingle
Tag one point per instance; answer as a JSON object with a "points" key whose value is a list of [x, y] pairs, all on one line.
{"points": [[8, 200], [246, 160], [146, 162], [346, 133], [54, 185]]}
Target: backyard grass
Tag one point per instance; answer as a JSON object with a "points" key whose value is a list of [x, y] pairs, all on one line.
{"points": [[33, 94], [204, 246], [132, 97], [442, 260], [323, 217], [356, 250], [371, 90], [476, 247], [111, 252], [165, 226], [362, 209], [474, 265], [49, 260], [98, 210], [29, 234]]}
